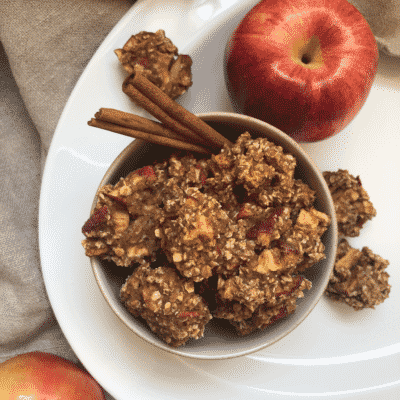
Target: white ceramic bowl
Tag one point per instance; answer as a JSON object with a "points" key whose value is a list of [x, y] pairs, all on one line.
{"points": [[220, 340]]}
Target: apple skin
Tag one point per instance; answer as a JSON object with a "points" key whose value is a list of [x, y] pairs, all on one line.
{"points": [[44, 376], [304, 66]]}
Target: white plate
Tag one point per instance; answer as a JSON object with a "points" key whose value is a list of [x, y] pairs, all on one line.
{"points": [[336, 352]]}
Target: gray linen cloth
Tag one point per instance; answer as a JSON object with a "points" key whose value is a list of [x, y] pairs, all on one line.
{"points": [[383, 17], [45, 45]]}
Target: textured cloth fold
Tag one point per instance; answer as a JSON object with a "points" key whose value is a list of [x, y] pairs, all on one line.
{"points": [[45, 46], [48, 44]]}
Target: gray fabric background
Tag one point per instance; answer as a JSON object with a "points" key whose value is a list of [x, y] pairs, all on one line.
{"points": [[44, 47]]}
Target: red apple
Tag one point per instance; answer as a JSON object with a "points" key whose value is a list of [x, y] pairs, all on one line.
{"points": [[43, 376], [304, 66]]}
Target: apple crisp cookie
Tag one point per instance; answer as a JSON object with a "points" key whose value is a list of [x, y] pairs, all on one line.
{"points": [[167, 302], [158, 60], [359, 278], [352, 203]]}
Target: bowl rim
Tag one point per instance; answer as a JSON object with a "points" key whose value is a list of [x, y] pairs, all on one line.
{"points": [[219, 116]]}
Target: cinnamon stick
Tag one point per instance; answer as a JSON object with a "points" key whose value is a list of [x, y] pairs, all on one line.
{"points": [[168, 111], [162, 140], [135, 122], [143, 102]]}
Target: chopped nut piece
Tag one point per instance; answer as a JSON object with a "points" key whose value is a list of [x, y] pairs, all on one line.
{"points": [[305, 218], [92, 250], [137, 252], [160, 61], [177, 257], [359, 278], [352, 204], [313, 220], [202, 229], [268, 261], [121, 220], [119, 251], [189, 287], [155, 296]]}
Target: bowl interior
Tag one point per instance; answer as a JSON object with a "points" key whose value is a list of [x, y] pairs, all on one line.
{"points": [[220, 340]]}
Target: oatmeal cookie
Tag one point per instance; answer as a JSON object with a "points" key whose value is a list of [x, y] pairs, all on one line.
{"points": [[203, 237], [280, 301], [167, 302], [123, 223], [160, 62], [352, 203], [303, 242], [359, 278], [265, 282], [280, 305], [264, 170]]}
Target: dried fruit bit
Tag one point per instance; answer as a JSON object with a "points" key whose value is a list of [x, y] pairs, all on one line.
{"points": [[95, 220], [359, 278], [244, 212], [202, 175], [287, 249], [147, 171], [352, 204], [263, 230], [159, 61]]}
